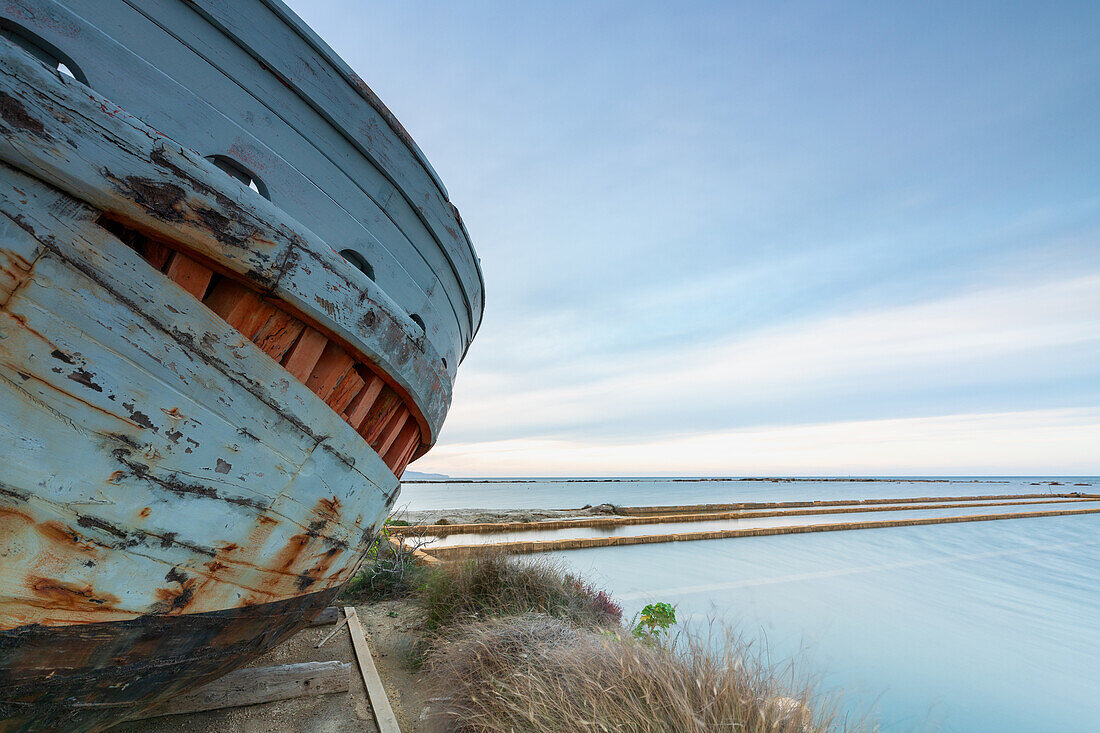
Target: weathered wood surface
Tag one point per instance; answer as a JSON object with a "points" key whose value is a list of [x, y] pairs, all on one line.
{"points": [[77, 140], [155, 460], [328, 616], [453, 552], [327, 370], [172, 501], [379, 701], [257, 685], [316, 74], [165, 62], [160, 476]]}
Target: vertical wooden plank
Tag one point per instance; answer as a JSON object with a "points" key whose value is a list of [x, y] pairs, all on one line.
{"points": [[392, 430], [403, 461], [188, 274], [155, 253], [348, 387], [414, 446], [379, 415], [409, 432], [329, 370], [383, 713], [241, 307], [279, 333], [360, 405], [305, 353]]}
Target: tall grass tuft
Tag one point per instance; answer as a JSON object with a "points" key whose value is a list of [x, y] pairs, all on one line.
{"points": [[497, 585], [540, 674]]}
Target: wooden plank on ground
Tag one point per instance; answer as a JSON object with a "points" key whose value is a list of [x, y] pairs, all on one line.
{"points": [[254, 685], [383, 713]]}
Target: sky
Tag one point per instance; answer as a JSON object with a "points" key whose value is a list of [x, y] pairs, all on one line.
{"points": [[787, 238]]}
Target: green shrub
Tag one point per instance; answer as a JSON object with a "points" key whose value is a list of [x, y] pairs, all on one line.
{"points": [[654, 621]]}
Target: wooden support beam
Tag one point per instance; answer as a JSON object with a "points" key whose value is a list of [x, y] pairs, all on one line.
{"points": [[329, 370], [345, 391], [383, 713], [154, 252], [392, 430], [242, 308], [380, 414], [255, 685], [406, 457], [329, 616], [360, 405], [409, 434], [277, 335], [188, 274], [305, 353]]}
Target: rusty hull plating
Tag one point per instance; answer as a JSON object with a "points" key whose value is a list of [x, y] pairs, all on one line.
{"points": [[204, 409]]}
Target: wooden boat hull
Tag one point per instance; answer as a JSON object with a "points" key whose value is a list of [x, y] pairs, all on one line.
{"points": [[109, 672], [169, 500], [183, 484]]}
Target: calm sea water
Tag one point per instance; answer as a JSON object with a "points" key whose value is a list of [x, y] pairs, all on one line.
{"points": [[991, 626]]}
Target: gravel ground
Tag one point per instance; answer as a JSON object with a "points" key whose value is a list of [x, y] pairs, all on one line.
{"points": [[391, 628]]}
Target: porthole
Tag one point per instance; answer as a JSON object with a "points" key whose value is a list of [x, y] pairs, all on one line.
{"points": [[240, 173], [358, 261], [42, 50], [418, 321]]}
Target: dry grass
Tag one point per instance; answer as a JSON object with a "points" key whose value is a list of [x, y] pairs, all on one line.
{"points": [[522, 645], [540, 674], [494, 585]]}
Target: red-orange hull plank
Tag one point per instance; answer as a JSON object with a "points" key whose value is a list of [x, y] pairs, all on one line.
{"points": [[305, 353], [188, 274]]}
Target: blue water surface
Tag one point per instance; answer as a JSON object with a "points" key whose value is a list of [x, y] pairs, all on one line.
{"points": [[990, 626]]}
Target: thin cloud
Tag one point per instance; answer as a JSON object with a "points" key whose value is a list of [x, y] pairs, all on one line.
{"points": [[985, 340], [1060, 442]]}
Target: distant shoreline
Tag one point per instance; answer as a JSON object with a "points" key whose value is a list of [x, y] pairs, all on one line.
{"points": [[775, 479]]}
